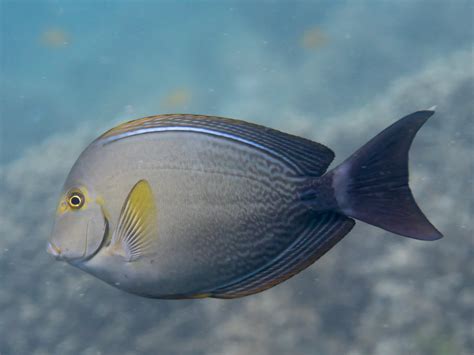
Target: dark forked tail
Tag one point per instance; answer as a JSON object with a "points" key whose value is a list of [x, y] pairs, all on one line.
{"points": [[372, 184]]}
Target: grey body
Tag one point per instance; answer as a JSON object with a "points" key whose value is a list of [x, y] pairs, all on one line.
{"points": [[224, 209], [184, 206]]}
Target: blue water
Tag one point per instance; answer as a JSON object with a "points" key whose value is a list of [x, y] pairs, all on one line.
{"points": [[333, 71]]}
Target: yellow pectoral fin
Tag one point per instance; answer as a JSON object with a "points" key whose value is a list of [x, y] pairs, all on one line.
{"points": [[137, 223]]}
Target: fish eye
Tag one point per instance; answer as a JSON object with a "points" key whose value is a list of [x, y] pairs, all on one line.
{"points": [[75, 200]]}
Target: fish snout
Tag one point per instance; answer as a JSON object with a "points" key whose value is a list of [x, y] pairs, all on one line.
{"points": [[53, 250]]}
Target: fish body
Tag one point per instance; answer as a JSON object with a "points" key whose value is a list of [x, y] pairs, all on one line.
{"points": [[187, 206]]}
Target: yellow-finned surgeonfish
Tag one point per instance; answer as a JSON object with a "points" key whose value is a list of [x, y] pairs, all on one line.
{"points": [[188, 206]]}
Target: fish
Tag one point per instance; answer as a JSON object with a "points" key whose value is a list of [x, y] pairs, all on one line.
{"points": [[177, 98], [55, 38], [313, 38], [183, 206]]}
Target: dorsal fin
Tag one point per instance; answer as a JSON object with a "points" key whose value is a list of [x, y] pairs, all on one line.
{"points": [[308, 157], [137, 223], [318, 236]]}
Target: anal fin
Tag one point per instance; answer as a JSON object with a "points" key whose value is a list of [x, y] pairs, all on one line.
{"points": [[320, 235]]}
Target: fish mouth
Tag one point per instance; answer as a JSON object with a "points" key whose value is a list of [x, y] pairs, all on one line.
{"points": [[53, 250]]}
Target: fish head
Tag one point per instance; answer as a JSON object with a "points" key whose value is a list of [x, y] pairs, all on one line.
{"points": [[80, 225]]}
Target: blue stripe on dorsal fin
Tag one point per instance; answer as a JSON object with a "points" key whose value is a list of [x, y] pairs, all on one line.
{"points": [[310, 158], [320, 235]]}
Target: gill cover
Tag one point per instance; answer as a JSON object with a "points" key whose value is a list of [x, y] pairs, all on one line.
{"points": [[96, 231], [78, 233]]}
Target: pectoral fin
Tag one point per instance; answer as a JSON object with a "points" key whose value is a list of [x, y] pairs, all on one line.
{"points": [[137, 223]]}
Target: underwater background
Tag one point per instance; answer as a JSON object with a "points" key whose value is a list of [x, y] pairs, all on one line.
{"points": [[334, 71]]}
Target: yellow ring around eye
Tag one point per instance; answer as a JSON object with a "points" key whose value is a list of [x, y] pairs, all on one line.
{"points": [[76, 200]]}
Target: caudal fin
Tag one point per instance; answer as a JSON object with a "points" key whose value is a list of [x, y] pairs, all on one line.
{"points": [[372, 184]]}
